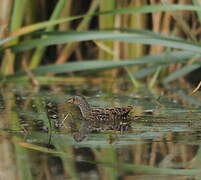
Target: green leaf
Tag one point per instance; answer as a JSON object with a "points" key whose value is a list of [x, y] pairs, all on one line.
{"points": [[153, 8], [147, 70], [106, 35], [181, 72], [163, 58], [141, 9]]}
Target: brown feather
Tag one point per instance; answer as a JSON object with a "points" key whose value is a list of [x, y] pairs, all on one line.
{"points": [[104, 118]]}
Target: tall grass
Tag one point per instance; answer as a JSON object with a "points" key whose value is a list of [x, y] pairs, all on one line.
{"points": [[106, 30]]}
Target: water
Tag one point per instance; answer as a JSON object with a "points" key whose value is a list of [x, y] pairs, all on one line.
{"points": [[163, 141]]}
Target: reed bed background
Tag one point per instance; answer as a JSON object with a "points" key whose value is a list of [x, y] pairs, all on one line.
{"points": [[150, 41], [155, 41]]}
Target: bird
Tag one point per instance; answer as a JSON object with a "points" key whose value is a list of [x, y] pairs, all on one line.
{"points": [[102, 118]]}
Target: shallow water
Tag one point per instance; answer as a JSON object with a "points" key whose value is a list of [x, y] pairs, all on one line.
{"points": [[163, 141]]}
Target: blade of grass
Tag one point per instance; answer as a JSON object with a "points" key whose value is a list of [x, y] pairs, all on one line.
{"points": [[154, 78], [142, 9], [36, 58], [162, 58], [147, 71], [107, 21], [36, 147], [69, 48], [136, 84], [16, 22], [181, 72], [196, 89], [189, 99], [105, 36], [17, 15], [198, 3], [35, 27], [136, 21]]}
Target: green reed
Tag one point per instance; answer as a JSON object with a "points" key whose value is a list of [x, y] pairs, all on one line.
{"points": [[115, 30]]}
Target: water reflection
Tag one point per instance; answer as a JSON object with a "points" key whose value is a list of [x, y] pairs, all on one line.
{"points": [[38, 130]]}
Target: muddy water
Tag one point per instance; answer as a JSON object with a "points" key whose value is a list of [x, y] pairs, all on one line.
{"points": [[37, 138]]}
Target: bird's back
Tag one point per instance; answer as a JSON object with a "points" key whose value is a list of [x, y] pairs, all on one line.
{"points": [[109, 118], [107, 114]]}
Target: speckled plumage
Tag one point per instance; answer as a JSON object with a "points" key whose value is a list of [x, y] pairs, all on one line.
{"points": [[115, 118]]}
